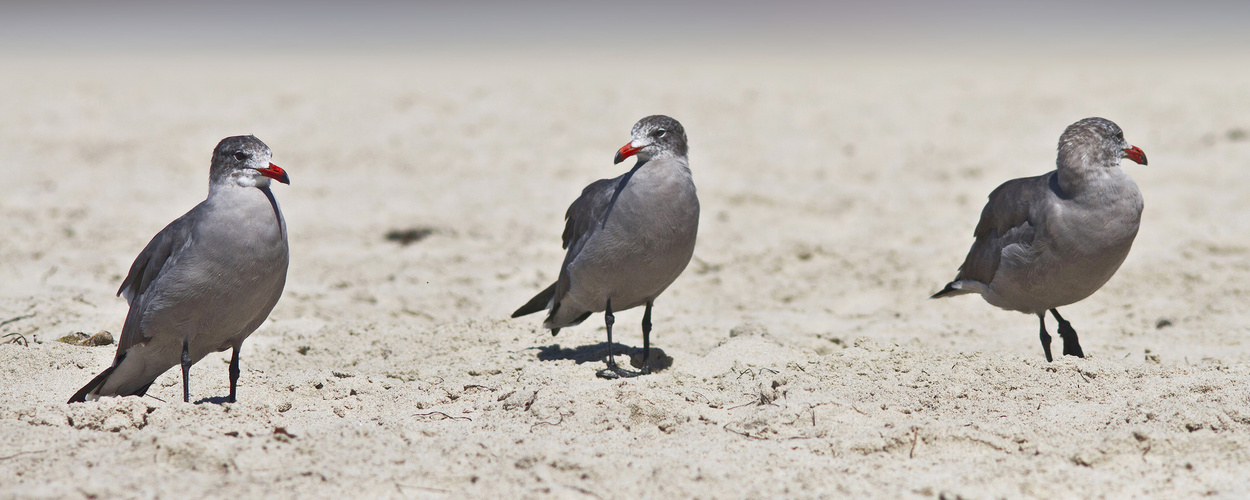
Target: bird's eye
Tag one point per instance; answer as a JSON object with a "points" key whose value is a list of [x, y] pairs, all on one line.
{"points": [[239, 155], [659, 133]]}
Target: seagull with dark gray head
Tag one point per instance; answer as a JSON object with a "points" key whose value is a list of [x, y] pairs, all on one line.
{"points": [[1052, 240], [627, 238], [206, 281]]}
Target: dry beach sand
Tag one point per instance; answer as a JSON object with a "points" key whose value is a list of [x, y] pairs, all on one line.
{"points": [[806, 360]]}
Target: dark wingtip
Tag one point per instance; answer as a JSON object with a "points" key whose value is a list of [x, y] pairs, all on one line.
{"points": [[538, 303], [81, 395], [950, 289]]}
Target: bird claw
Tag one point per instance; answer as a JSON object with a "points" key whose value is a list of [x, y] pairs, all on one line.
{"points": [[613, 372], [1071, 346]]}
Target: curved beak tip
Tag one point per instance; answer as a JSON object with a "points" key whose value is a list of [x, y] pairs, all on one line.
{"points": [[276, 173], [1136, 154], [626, 151]]}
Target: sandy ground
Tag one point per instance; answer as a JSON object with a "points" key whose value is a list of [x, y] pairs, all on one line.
{"points": [[806, 359]]}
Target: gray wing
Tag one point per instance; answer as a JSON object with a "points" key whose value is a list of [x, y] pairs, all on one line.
{"points": [[145, 271], [1007, 219], [587, 210], [584, 216]]}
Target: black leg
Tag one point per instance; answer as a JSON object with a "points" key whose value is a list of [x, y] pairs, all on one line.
{"points": [[1071, 346], [612, 371], [646, 340], [186, 370], [1041, 318], [234, 373], [609, 320]]}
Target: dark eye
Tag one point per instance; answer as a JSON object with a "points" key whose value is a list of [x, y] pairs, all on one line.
{"points": [[659, 133], [241, 156]]}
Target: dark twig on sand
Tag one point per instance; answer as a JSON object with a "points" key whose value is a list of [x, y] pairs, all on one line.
{"points": [[915, 437], [18, 454], [557, 422], [743, 434], [444, 415], [18, 318]]}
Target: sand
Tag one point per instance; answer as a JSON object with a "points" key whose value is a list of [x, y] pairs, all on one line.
{"points": [[806, 359]]}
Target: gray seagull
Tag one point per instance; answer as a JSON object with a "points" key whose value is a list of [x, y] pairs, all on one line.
{"points": [[206, 281], [628, 238], [1052, 240]]}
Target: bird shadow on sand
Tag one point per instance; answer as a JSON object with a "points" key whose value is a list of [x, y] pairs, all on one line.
{"points": [[598, 353], [214, 400]]}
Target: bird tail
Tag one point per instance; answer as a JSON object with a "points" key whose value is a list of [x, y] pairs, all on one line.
{"points": [[952, 289], [92, 387], [538, 303], [544, 300]]}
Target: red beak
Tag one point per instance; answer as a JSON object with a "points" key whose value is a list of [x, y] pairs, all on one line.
{"points": [[276, 173], [626, 151], [1136, 154]]}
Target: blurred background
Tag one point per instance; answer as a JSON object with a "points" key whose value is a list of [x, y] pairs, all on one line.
{"points": [[637, 30]]}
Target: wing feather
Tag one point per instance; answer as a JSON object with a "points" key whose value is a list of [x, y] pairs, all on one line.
{"points": [[1009, 218], [587, 210], [144, 273], [587, 213]]}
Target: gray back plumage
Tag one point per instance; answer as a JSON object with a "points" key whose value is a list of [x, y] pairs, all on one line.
{"points": [[1005, 220]]}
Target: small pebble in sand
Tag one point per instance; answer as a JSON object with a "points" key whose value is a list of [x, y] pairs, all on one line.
{"points": [[80, 338]]}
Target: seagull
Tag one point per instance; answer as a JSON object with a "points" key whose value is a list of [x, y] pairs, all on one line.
{"points": [[628, 238], [206, 281], [1048, 241]]}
